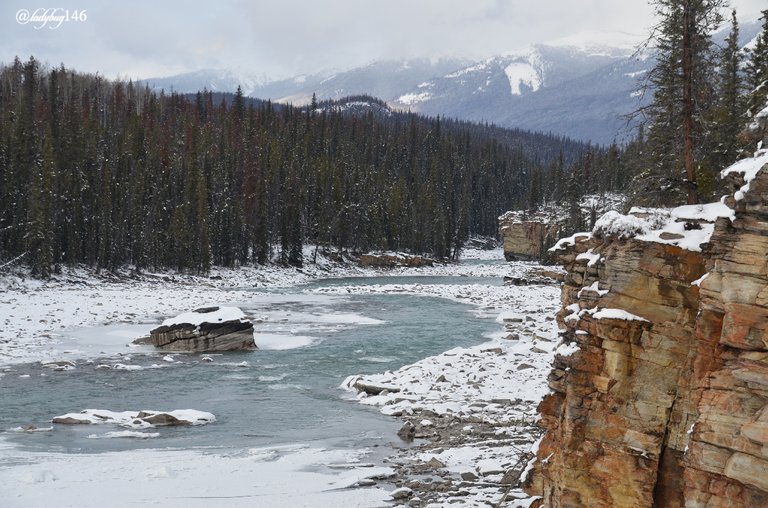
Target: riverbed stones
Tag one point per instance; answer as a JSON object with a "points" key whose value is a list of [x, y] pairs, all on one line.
{"points": [[401, 493], [392, 260], [407, 432], [372, 388]]}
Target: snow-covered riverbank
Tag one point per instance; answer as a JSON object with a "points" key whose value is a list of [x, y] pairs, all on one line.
{"points": [[481, 399], [33, 313], [474, 407]]}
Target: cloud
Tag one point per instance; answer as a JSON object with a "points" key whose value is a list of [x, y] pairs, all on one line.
{"points": [[287, 37]]}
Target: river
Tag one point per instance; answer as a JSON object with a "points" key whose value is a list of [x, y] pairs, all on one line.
{"points": [[279, 402]]}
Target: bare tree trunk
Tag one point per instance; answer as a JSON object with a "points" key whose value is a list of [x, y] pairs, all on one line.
{"points": [[690, 169]]}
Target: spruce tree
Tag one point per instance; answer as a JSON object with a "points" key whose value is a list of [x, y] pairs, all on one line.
{"points": [[757, 71], [727, 116], [40, 230], [682, 86]]}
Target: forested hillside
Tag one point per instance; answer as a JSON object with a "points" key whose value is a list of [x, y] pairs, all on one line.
{"points": [[109, 174]]}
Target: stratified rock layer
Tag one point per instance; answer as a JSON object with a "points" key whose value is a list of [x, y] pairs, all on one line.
{"points": [[524, 240], [665, 402], [204, 334]]}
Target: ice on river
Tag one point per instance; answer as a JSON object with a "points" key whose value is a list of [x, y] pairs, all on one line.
{"points": [[278, 477], [478, 382]]}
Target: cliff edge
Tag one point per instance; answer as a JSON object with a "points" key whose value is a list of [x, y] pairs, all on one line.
{"points": [[664, 400]]}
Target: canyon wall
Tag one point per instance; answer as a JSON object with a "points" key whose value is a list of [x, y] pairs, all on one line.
{"points": [[664, 400], [526, 239]]}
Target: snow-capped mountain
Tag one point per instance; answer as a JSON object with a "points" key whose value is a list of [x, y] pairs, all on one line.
{"points": [[562, 88], [214, 80], [581, 86], [386, 79]]}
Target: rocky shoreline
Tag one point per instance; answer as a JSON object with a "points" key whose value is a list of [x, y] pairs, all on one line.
{"points": [[471, 412], [469, 454], [429, 482]]}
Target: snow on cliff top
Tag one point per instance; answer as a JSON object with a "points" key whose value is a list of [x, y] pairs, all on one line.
{"points": [[749, 167], [687, 227], [197, 318]]}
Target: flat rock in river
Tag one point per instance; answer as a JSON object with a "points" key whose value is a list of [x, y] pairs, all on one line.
{"points": [[206, 329]]}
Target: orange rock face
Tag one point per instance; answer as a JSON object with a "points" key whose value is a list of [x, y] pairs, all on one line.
{"points": [[665, 402], [526, 239]]}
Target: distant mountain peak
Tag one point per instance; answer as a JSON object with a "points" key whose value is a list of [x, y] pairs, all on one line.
{"points": [[578, 86], [590, 40]]}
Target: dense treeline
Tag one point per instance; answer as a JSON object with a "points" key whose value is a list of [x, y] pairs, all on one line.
{"points": [[703, 96], [109, 174]]}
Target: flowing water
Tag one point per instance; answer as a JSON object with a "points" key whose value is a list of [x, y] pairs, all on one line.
{"points": [[286, 392]]}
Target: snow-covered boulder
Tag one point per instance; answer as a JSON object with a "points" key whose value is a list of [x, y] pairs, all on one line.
{"points": [[136, 419], [205, 329]]}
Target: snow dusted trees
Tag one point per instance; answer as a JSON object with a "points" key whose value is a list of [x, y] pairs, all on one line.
{"points": [[682, 93], [757, 70], [109, 174], [727, 115]]}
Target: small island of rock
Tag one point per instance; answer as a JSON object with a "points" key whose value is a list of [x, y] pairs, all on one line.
{"points": [[203, 330]]}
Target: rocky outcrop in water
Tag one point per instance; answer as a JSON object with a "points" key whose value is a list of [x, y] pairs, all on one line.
{"points": [[136, 419], [665, 400], [205, 330]]}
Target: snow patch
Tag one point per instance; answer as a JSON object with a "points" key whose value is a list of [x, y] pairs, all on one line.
{"points": [[131, 418], [197, 318], [749, 168], [667, 226], [414, 98], [467, 70], [592, 257], [617, 314], [276, 341], [522, 75], [569, 241]]}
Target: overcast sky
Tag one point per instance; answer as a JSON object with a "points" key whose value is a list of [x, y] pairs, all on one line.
{"points": [[280, 38]]}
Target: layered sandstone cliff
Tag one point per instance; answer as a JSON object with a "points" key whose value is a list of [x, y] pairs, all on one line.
{"points": [[526, 238], [665, 400], [527, 234]]}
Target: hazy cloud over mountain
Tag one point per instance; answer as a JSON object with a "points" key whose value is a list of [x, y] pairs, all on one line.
{"points": [[281, 38]]}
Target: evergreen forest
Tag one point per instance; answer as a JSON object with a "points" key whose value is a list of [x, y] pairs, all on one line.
{"points": [[108, 174]]}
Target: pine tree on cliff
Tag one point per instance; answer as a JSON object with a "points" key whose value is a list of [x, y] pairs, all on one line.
{"points": [[757, 71], [681, 80], [728, 114]]}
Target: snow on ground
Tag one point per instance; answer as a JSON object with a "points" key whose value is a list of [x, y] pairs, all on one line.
{"points": [[287, 476], [34, 314], [481, 398], [687, 227], [480, 401], [220, 315]]}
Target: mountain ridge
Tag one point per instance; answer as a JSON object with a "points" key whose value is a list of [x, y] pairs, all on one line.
{"points": [[580, 86]]}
